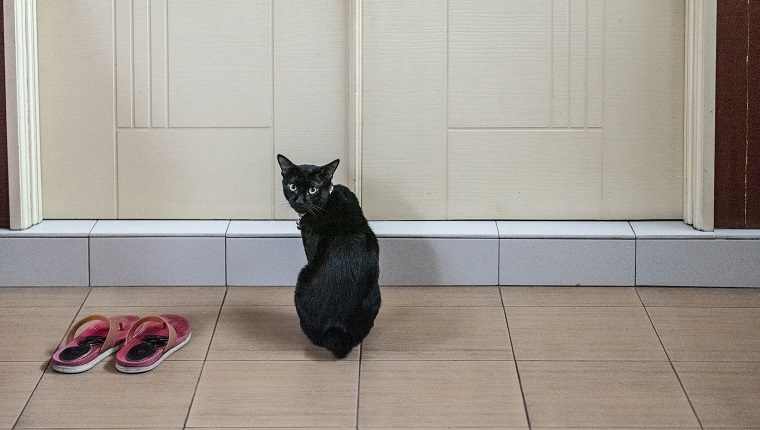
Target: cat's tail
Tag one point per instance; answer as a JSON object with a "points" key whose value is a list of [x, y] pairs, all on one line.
{"points": [[338, 341]]}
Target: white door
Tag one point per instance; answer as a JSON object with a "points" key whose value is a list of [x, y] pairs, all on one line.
{"points": [[177, 108], [532, 109], [472, 109]]}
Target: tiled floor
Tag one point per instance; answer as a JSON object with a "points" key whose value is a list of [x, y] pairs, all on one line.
{"points": [[467, 357]]}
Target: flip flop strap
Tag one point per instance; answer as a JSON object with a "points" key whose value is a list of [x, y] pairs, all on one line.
{"points": [[110, 337], [171, 343]]}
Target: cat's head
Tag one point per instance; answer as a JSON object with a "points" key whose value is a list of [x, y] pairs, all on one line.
{"points": [[306, 186]]}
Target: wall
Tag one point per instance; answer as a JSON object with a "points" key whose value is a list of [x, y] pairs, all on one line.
{"points": [[737, 133], [5, 218]]}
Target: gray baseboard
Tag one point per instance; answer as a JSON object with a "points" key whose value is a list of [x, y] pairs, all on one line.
{"points": [[258, 253]]}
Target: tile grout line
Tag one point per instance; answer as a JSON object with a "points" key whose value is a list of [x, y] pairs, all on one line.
{"points": [[514, 360], [359, 385], [672, 366], [26, 404], [498, 261], [89, 257], [226, 265], [635, 259], [205, 358]]}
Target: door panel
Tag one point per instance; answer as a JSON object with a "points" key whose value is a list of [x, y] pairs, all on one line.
{"points": [[643, 112], [77, 134], [500, 63], [310, 97], [404, 110], [176, 108], [492, 169], [195, 173], [220, 63], [556, 109]]}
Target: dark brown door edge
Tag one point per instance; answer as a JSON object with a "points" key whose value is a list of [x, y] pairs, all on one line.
{"points": [[737, 115], [5, 214], [753, 117]]}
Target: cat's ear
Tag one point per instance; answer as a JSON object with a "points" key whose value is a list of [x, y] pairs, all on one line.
{"points": [[328, 170], [285, 164]]}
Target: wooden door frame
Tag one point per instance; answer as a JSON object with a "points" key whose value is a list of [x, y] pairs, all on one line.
{"points": [[5, 214], [23, 112], [699, 114], [737, 140]]}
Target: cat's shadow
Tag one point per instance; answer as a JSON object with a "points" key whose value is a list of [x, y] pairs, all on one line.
{"points": [[271, 331]]}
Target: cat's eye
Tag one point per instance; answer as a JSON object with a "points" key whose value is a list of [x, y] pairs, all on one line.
{"points": [[312, 190], [292, 187]]}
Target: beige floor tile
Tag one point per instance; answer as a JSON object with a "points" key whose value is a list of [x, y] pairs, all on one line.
{"points": [[616, 428], [701, 297], [723, 394], [604, 395], [202, 321], [27, 297], [391, 296], [155, 296], [104, 398], [440, 296], [33, 334], [264, 333], [259, 296], [17, 381], [570, 296], [276, 393], [406, 394], [440, 333], [583, 333], [709, 334]]}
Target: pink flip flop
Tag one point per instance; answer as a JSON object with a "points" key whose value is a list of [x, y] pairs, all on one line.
{"points": [[150, 341], [80, 353]]}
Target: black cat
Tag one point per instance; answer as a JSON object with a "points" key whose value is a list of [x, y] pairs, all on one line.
{"points": [[337, 294]]}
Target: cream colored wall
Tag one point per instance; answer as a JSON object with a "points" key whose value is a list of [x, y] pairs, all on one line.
{"points": [[563, 109], [176, 108], [532, 109]]}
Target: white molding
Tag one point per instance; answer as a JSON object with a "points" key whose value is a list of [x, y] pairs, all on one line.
{"points": [[24, 177], [416, 252], [355, 97], [699, 114]]}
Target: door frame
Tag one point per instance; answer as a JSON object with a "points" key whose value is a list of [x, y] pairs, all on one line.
{"points": [[24, 169], [22, 112], [699, 114]]}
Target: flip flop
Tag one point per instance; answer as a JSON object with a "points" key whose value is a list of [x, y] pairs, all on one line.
{"points": [[80, 353], [150, 341]]}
